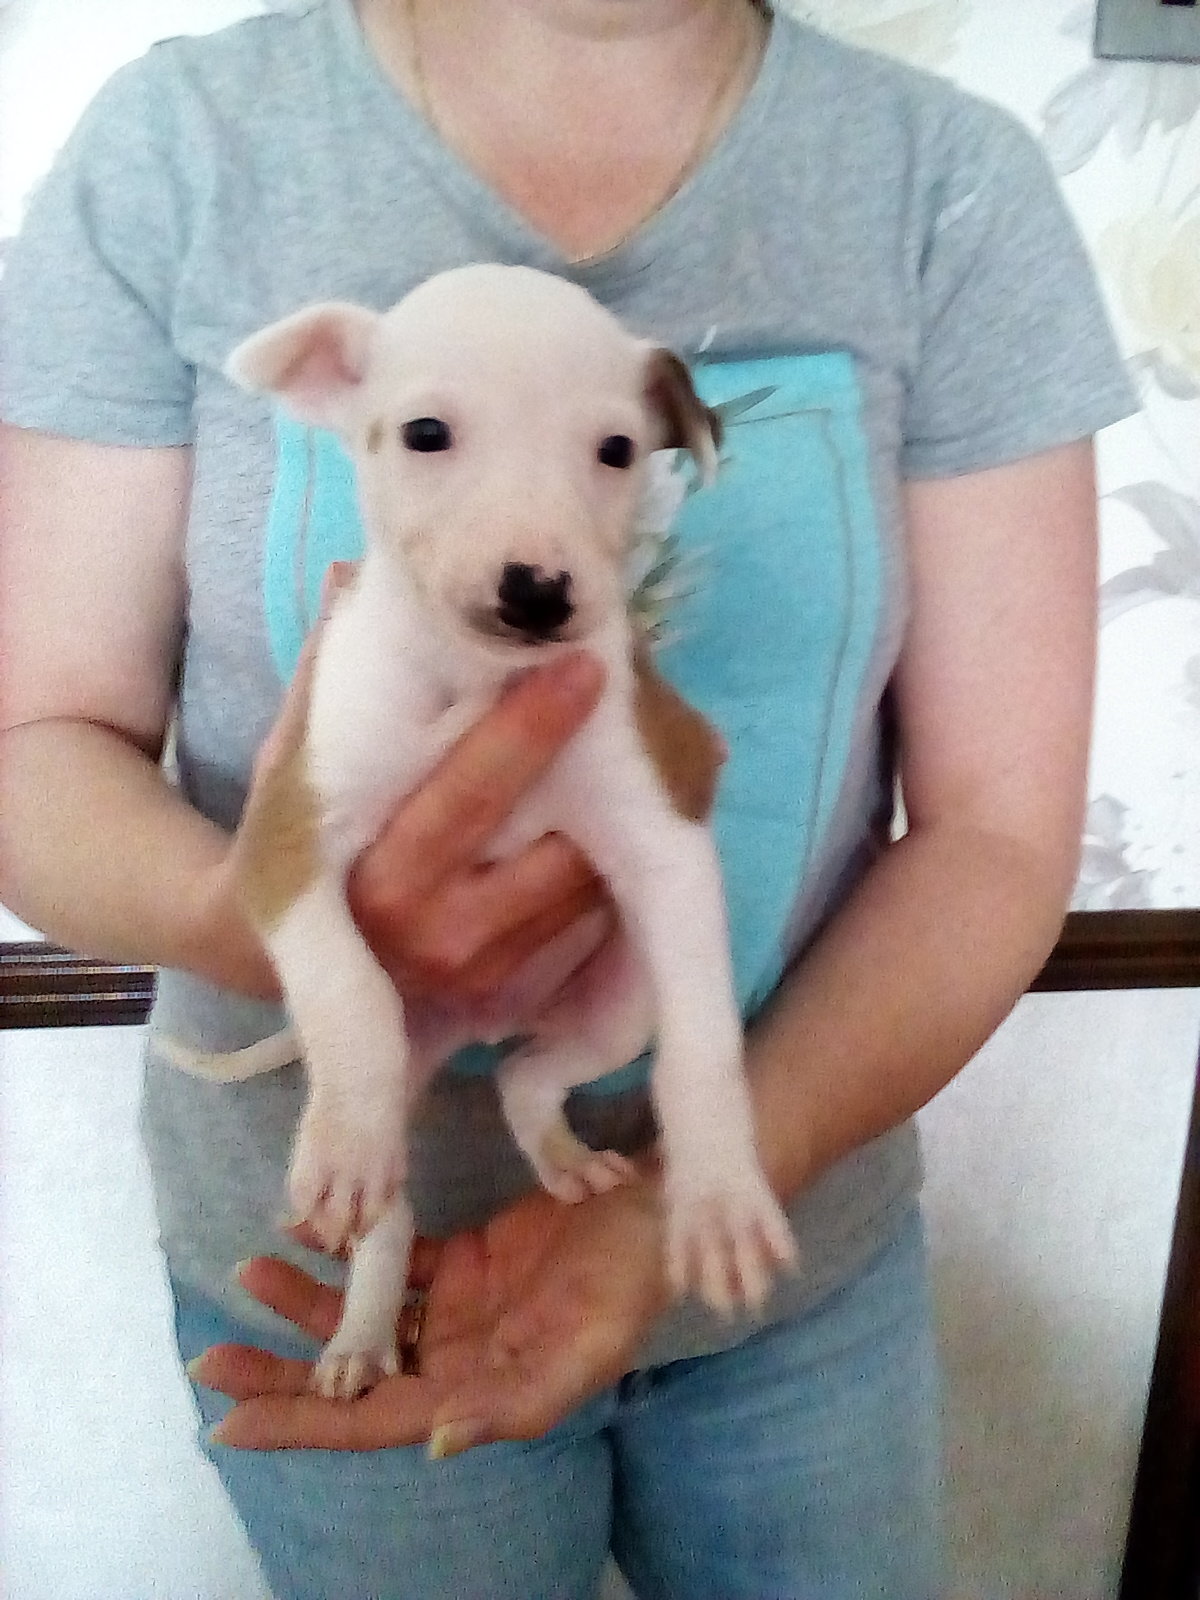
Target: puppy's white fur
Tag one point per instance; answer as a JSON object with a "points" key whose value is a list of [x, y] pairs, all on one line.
{"points": [[529, 375]]}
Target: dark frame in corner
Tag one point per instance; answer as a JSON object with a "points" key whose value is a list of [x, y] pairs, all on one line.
{"points": [[42, 986]]}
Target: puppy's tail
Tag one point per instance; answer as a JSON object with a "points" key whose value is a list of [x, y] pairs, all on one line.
{"points": [[230, 1066]]}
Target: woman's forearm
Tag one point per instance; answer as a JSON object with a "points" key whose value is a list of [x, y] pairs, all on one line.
{"points": [[925, 960], [100, 853]]}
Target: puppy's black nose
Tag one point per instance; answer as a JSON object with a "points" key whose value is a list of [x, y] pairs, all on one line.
{"points": [[532, 602]]}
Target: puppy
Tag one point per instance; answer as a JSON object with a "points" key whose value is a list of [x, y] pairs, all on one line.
{"points": [[501, 424]]}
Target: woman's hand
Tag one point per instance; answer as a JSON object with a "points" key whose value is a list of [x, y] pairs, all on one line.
{"points": [[526, 1319], [441, 924]]}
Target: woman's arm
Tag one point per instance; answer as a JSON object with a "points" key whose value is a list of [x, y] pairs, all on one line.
{"points": [[993, 696], [96, 849]]}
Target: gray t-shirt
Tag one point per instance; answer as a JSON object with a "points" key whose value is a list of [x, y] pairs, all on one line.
{"points": [[879, 280]]}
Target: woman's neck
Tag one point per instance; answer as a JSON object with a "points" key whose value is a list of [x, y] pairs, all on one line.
{"points": [[566, 24], [586, 115]]}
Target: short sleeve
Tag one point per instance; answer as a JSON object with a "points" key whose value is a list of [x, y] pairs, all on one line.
{"points": [[87, 296], [1016, 354]]}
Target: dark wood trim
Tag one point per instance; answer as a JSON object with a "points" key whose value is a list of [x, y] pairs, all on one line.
{"points": [[1125, 950], [1162, 1548], [42, 986]]}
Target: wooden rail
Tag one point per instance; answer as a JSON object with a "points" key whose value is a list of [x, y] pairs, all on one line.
{"points": [[1125, 950], [42, 986]]}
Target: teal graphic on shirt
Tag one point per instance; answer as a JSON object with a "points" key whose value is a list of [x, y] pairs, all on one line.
{"points": [[773, 642]]}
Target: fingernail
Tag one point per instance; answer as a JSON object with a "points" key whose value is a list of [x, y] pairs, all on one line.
{"points": [[193, 1368], [240, 1267], [452, 1438], [218, 1435]]}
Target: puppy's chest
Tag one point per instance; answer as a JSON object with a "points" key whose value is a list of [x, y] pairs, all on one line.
{"points": [[366, 763], [379, 725]]}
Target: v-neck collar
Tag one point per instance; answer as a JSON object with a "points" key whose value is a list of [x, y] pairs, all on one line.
{"points": [[515, 234]]}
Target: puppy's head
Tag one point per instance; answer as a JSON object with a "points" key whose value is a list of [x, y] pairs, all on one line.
{"points": [[500, 421]]}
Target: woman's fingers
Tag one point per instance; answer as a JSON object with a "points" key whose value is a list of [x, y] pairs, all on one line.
{"points": [[242, 1372], [479, 929], [505, 957], [423, 1259], [395, 1412], [312, 1306], [446, 822], [499, 898], [519, 1400]]}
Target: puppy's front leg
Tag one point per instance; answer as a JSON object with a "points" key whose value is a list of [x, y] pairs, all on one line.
{"points": [[350, 1154], [726, 1233]]}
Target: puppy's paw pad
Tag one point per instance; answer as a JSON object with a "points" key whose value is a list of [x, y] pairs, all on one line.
{"points": [[344, 1374]]}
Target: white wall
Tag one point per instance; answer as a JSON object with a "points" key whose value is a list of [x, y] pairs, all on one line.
{"points": [[1054, 1165], [103, 1493]]}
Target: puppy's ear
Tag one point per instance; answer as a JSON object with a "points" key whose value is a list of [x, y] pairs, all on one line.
{"points": [[313, 360], [687, 423]]}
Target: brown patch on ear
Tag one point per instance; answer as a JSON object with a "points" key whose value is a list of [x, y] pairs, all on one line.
{"points": [[687, 751], [375, 438], [687, 422], [278, 836]]}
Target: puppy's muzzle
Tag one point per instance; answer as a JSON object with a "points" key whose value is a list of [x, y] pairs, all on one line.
{"points": [[532, 602]]}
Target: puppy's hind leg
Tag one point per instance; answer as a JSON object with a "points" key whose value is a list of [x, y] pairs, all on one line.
{"points": [[363, 1348], [602, 1022]]}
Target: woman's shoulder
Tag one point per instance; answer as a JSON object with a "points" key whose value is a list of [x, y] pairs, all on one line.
{"points": [[257, 67], [865, 100]]}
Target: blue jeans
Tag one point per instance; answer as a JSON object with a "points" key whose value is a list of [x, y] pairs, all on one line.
{"points": [[802, 1465]]}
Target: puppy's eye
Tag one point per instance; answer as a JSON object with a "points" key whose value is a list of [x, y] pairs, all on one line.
{"points": [[426, 434], [616, 451]]}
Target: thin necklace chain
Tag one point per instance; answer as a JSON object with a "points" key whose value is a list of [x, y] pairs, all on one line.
{"points": [[696, 151]]}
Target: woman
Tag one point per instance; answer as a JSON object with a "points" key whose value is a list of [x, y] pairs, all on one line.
{"points": [[876, 279]]}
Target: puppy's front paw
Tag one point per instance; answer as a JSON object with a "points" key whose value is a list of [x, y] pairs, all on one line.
{"points": [[345, 1170], [343, 1371], [726, 1239]]}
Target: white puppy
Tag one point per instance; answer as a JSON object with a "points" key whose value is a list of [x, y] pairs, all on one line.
{"points": [[500, 422]]}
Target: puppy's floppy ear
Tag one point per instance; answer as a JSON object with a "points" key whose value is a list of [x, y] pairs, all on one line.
{"points": [[313, 360], [687, 423]]}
